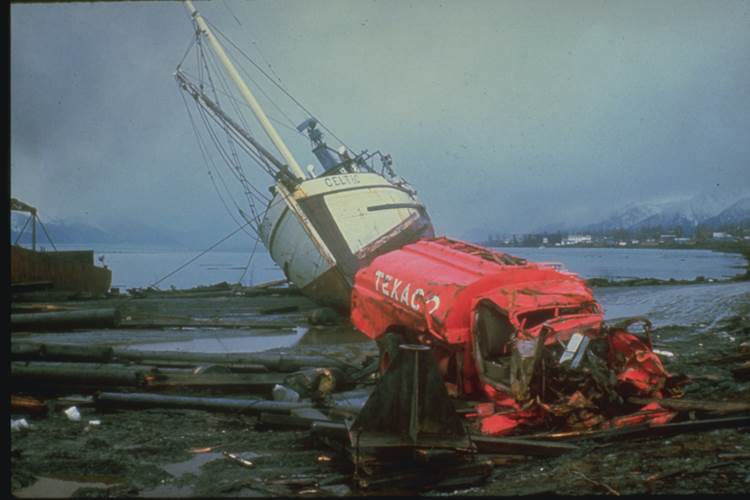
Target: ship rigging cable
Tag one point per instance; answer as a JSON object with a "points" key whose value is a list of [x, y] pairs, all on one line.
{"points": [[204, 252], [278, 85], [207, 159], [232, 160], [205, 65]]}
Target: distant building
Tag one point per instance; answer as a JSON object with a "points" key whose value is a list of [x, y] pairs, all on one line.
{"points": [[667, 238], [722, 236], [577, 239], [682, 241]]}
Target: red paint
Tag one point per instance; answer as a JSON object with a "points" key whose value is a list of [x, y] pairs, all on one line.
{"points": [[432, 289]]}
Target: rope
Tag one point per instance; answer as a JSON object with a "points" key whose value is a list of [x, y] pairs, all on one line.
{"points": [[278, 85], [46, 233], [207, 159], [22, 230], [204, 252], [249, 261]]}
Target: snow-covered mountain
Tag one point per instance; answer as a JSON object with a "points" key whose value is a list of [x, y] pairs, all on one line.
{"points": [[738, 214], [712, 210], [65, 231]]}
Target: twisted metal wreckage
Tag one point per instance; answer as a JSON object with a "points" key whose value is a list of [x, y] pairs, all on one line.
{"points": [[526, 341]]}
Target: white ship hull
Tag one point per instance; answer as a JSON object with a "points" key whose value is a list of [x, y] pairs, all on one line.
{"points": [[350, 218]]}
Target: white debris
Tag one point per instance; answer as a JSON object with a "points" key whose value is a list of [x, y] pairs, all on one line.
{"points": [[664, 353], [73, 414], [281, 393], [20, 424]]}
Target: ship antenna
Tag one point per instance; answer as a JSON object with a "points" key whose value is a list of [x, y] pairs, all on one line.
{"points": [[248, 96]]}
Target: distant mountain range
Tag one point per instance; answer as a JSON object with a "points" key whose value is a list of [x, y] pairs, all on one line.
{"points": [[65, 232], [685, 216]]}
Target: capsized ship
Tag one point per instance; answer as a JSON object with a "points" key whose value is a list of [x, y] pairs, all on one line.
{"points": [[319, 228]]}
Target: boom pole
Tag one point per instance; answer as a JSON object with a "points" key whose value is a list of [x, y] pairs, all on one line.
{"points": [[246, 94]]}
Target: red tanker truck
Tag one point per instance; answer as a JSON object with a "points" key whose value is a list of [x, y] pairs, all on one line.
{"points": [[526, 338]]}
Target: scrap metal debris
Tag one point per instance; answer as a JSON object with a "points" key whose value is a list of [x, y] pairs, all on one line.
{"points": [[526, 339]]}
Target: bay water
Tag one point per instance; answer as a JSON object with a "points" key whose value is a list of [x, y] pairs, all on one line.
{"points": [[141, 267]]}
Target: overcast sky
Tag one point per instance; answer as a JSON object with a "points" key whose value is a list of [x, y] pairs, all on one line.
{"points": [[505, 115]]}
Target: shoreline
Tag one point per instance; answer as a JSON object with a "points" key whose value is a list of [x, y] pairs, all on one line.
{"points": [[733, 248]]}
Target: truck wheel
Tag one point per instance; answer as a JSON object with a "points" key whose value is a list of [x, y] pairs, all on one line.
{"points": [[388, 346]]}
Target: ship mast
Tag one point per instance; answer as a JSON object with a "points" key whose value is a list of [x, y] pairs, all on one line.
{"points": [[265, 123]]}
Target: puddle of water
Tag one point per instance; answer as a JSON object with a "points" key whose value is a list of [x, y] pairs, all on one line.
{"points": [[333, 336], [301, 335], [192, 466], [179, 469], [48, 487], [254, 343]]}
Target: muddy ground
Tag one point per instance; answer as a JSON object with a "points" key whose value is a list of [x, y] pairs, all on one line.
{"points": [[179, 453]]}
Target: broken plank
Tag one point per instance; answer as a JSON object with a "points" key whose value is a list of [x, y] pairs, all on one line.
{"points": [[230, 405], [716, 407], [272, 361], [218, 380], [647, 430], [28, 404], [518, 446]]}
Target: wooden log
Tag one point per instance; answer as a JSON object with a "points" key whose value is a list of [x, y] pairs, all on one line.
{"points": [[279, 310], [65, 320], [273, 361], [84, 374], [68, 352], [60, 352], [518, 446], [25, 350], [260, 325], [647, 430], [199, 367], [332, 430], [714, 407], [249, 381], [288, 422], [228, 405], [80, 401]]}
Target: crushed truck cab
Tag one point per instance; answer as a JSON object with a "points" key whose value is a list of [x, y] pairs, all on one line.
{"points": [[503, 328]]}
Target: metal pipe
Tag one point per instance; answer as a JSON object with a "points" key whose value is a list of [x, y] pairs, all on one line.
{"points": [[245, 91]]}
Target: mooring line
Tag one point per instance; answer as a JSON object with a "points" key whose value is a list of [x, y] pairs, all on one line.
{"points": [[201, 254]]}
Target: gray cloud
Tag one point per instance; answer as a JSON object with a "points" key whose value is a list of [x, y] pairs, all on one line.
{"points": [[504, 115]]}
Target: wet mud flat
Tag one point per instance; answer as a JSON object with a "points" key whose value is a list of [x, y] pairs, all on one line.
{"points": [[171, 452]]}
